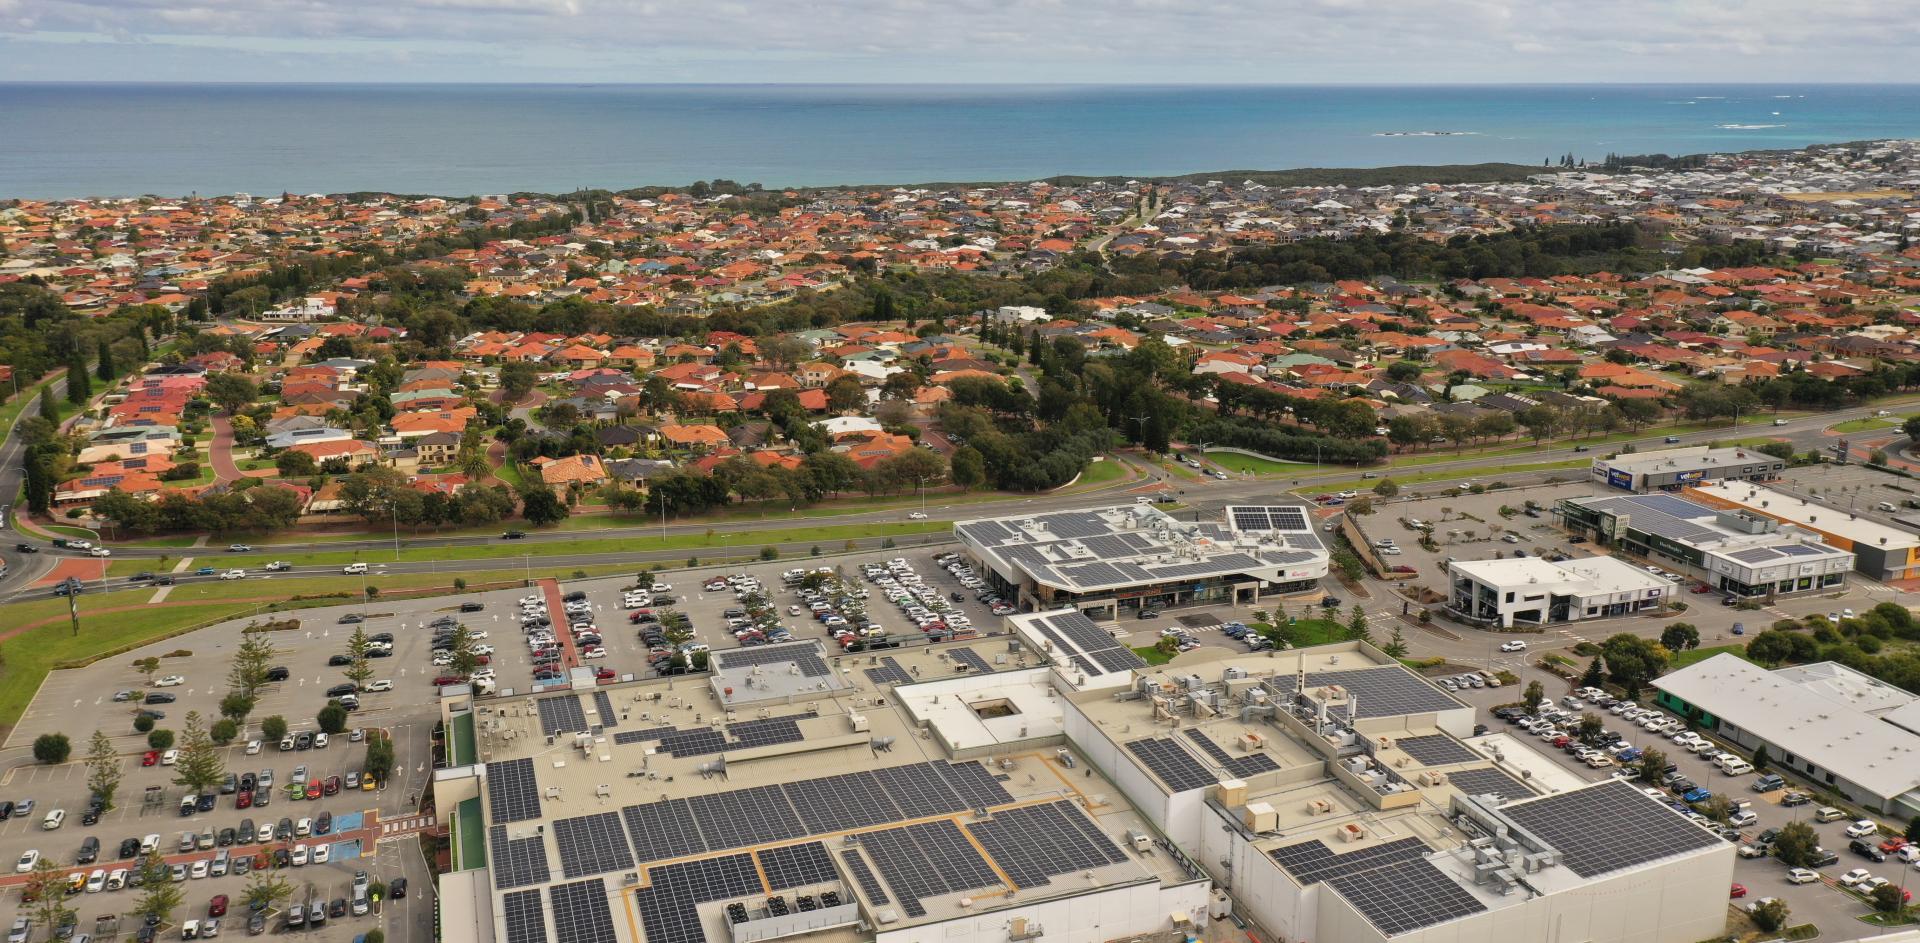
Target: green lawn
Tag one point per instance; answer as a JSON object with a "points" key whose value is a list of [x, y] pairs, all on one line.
{"points": [[1683, 659], [30, 397], [830, 538], [1489, 472], [1871, 424], [68, 530], [1251, 465], [1152, 655], [1306, 632], [1101, 472]]}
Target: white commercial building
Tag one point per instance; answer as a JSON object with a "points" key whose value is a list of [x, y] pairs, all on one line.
{"points": [[1825, 723], [1672, 469], [1532, 591]]}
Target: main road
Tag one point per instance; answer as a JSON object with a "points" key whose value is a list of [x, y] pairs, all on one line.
{"points": [[1201, 495]]}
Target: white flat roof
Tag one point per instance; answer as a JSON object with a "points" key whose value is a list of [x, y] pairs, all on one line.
{"points": [[1587, 575], [1826, 714], [1779, 504], [1685, 459]]}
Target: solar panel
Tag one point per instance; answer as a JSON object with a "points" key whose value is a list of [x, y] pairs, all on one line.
{"points": [[1176, 768], [766, 732], [591, 844], [641, 736], [797, 866], [516, 862], [971, 659], [603, 705], [745, 817], [560, 714], [863, 875], [806, 655], [1802, 550], [1416, 894], [927, 860], [889, 672], [581, 913], [1488, 781], [1313, 861], [512, 794], [526, 920], [1239, 767], [1386, 691], [974, 784], [699, 741], [1435, 750], [1637, 828], [918, 791], [662, 830], [1081, 640], [1033, 844]]}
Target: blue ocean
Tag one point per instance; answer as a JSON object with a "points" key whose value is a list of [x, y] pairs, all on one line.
{"points": [[73, 140]]}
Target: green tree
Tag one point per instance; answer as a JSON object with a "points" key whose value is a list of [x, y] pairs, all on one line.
{"points": [[223, 731], [294, 463], [51, 748], [358, 671], [1913, 829], [1761, 760], [517, 379], [49, 410], [79, 384], [1396, 644], [1386, 488], [159, 895], [230, 391], [1770, 914], [332, 718], [1652, 766], [540, 506], [274, 727], [1795, 845], [1589, 728], [236, 707], [1357, 625], [266, 890], [380, 756], [160, 739], [1887, 899], [199, 767], [1632, 661], [147, 668], [103, 361], [103, 768], [463, 657], [142, 723], [1595, 675], [1680, 636], [1534, 695], [47, 884], [967, 467]]}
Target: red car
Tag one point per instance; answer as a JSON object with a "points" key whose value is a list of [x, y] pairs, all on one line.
{"points": [[1562, 741], [331, 786], [313, 789], [217, 907], [445, 680], [244, 800], [1739, 891], [1703, 588], [604, 674], [1894, 844], [149, 758]]}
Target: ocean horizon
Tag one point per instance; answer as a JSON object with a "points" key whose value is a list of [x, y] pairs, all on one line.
{"points": [[68, 140]]}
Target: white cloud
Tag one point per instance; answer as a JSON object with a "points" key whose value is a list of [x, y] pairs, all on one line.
{"points": [[999, 40]]}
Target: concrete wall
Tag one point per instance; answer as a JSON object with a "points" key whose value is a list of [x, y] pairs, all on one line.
{"points": [[1261, 891], [1115, 913]]}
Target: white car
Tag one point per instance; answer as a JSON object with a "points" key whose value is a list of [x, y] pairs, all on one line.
{"points": [[200, 868], [234, 575], [1514, 646], [594, 653], [320, 853], [320, 741], [917, 516], [1861, 829], [253, 747], [352, 568], [170, 681], [99, 552], [1854, 876], [483, 649], [383, 684], [1802, 876], [169, 758], [26, 862], [299, 855]]}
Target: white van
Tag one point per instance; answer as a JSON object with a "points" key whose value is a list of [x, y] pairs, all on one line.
{"points": [[355, 568], [1828, 814], [1733, 765], [1886, 506]]}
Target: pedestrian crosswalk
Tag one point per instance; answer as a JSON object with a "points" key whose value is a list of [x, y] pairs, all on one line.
{"points": [[402, 827]]}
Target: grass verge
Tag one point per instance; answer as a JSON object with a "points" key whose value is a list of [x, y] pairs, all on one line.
{"points": [[1697, 655], [1251, 465]]}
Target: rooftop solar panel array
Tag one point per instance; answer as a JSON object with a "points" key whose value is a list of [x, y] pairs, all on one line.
{"points": [[1262, 518], [581, 913], [1081, 640], [591, 844], [663, 830], [516, 862], [1313, 861], [745, 817], [1414, 895], [1435, 750], [863, 875], [1488, 781], [1034, 844], [974, 784], [1637, 829], [765, 732], [797, 866], [603, 705], [526, 919], [1385, 691], [641, 736], [971, 659], [669, 906], [1240, 767], [1175, 767], [560, 714], [889, 672], [805, 655], [512, 794], [926, 860], [696, 741]]}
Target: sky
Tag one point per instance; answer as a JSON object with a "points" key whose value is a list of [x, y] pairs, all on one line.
{"points": [[956, 41]]}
